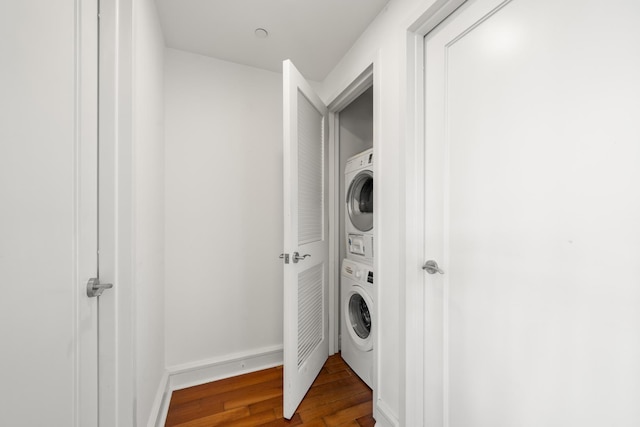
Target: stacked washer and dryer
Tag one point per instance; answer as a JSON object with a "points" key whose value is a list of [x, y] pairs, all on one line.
{"points": [[357, 284]]}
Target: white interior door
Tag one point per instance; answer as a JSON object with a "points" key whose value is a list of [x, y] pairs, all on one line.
{"points": [[48, 213], [306, 343], [532, 207]]}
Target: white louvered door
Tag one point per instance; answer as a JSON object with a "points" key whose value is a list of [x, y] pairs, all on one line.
{"points": [[306, 344]]}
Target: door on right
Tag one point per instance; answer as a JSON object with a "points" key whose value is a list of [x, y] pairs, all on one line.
{"points": [[532, 212]]}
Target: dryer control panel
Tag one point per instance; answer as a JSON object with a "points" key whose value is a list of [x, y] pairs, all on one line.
{"points": [[359, 161]]}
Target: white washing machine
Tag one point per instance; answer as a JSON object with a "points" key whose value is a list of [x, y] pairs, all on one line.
{"points": [[359, 209], [356, 302]]}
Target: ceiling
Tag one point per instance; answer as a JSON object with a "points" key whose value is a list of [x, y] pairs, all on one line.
{"points": [[314, 34]]}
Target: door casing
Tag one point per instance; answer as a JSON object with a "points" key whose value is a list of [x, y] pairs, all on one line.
{"points": [[116, 212], [412, 384], [358, 84]]}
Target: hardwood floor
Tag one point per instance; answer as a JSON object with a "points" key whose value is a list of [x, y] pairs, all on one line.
{"points": [[336, 398]]}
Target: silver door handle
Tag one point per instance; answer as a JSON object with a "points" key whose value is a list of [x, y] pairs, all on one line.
{"points": [[431, 267], [297, 257], [95, 288]]}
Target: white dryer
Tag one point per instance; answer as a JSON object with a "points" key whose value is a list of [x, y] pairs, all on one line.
{"points": [[359, 207], [356, 301]]}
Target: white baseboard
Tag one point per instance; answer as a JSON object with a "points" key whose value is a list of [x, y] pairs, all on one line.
{"points": [[384, 415], [191, 374]]}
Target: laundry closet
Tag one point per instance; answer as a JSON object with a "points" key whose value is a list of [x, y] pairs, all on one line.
{"points": [[356, 235]]}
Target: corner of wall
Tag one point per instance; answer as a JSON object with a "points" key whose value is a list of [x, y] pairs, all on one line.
{"points": [[148, 200], [160, 407], [384, 416]]}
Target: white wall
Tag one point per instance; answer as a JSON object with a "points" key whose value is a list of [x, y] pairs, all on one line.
{"points": [[385, 39], [356, 135], [223, 209], [148, 134]]}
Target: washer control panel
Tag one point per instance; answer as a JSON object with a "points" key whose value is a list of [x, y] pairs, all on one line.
{"points": [[357, 271]]}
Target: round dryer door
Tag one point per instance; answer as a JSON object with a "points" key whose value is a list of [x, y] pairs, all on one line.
{"points": [[360, 201], [359, 320]]}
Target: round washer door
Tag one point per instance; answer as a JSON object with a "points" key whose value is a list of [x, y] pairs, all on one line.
{"points": [[360, 201], [357, 313]]}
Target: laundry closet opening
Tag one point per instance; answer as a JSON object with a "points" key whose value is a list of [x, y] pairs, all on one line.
{"points": [[354, 313]]}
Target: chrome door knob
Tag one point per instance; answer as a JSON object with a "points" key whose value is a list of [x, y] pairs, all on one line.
{"points": [[297, 257], [431, 267]]}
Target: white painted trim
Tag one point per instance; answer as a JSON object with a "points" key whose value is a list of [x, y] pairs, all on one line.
{"points": [[412, 392], [334, 235], [412, 384], [353, 90], [196, 373], [160, 406], [383, 415], [378, 219]]}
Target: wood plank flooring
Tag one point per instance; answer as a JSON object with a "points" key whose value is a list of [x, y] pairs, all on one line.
{"points": [[336, 398]]}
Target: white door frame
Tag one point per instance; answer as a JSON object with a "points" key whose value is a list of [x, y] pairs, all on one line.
{"points": [[412, 387], [356, 88], [116, 211], [368, 75]]}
